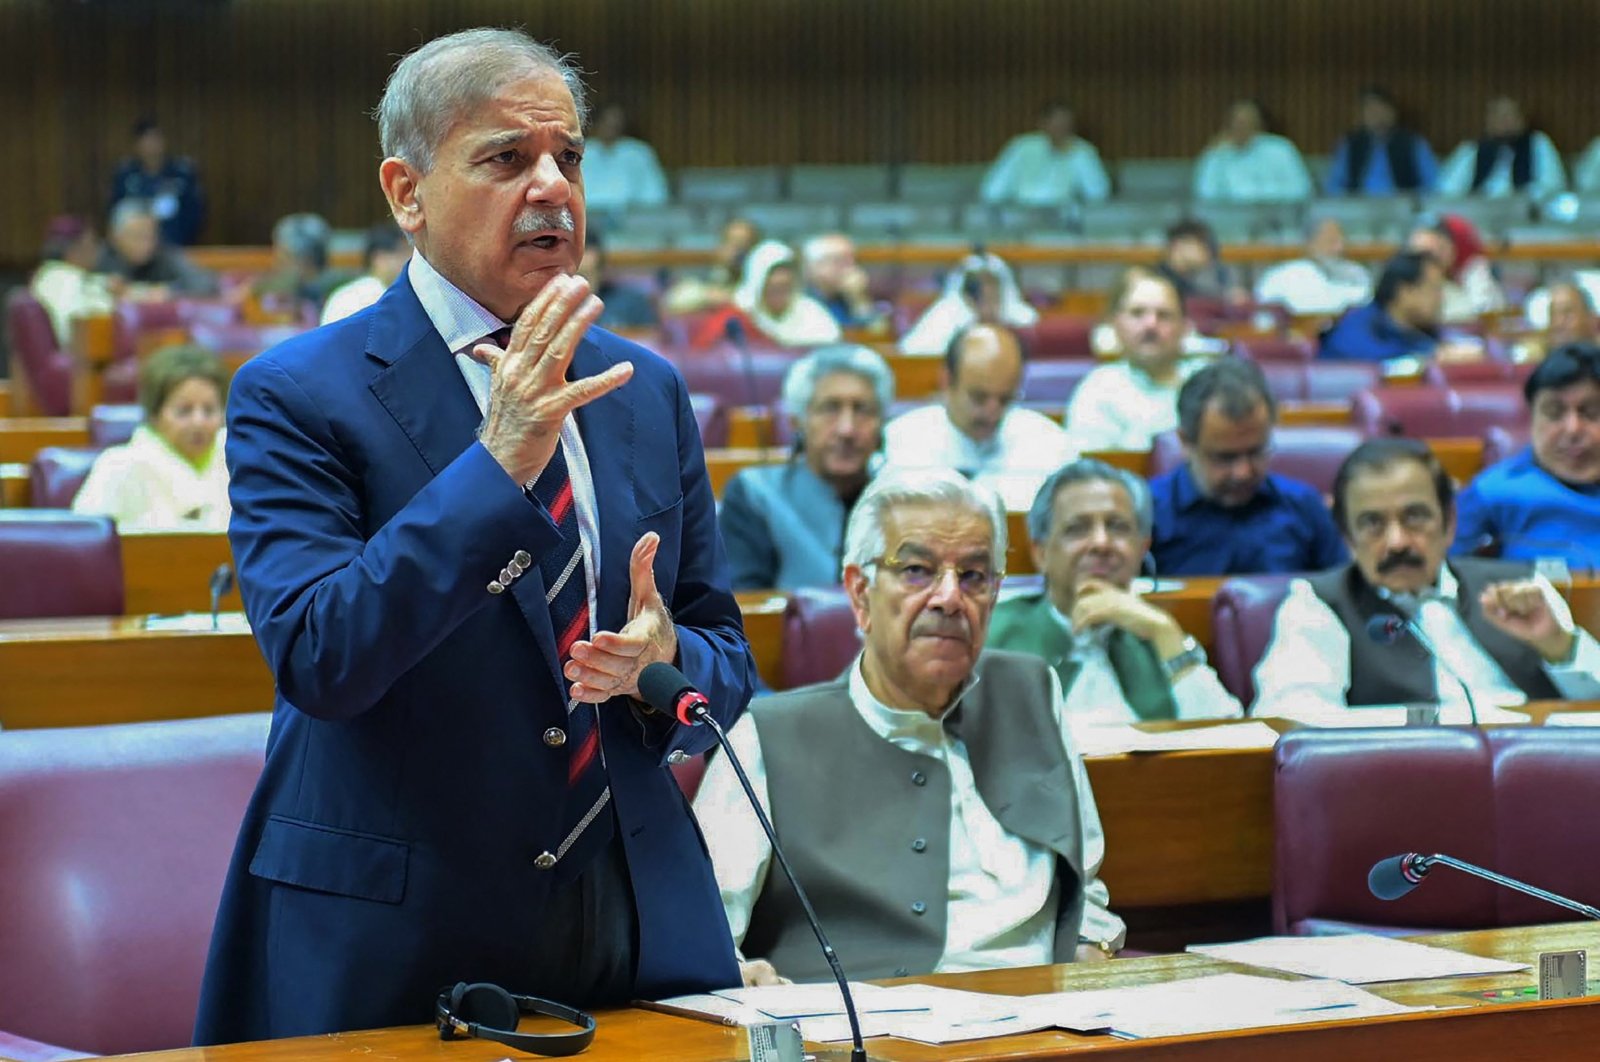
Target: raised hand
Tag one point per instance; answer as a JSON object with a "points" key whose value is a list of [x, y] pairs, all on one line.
{"points": [[1521, 610], [609, 665]]}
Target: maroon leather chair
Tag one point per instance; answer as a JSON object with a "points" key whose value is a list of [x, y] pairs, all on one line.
{"points": [[116, 841], [1311, 453], [1433, 412], [1242, 613], [1059, 336], [32, 341], [57, 473], [819, 636], [1054, 381], [113, 424], [710, 419], [1275, 348], [1337, 381], [689, 774], [1285, 379], [1473, 373], [1344, 799], [724, 374], [133, 320], [55, 563], [1501, 443]]}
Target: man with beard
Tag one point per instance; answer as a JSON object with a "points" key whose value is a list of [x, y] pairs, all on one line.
{"points": [[930, 797], [1509, 159], [1504, 631], [1119, 658], [464, 521], [1222, 512]]}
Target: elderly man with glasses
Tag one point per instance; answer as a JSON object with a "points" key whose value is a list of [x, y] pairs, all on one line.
{"points": [[1222, 512], [929, 798]]}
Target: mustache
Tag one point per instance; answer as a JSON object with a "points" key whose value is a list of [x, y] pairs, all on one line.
{"points": [[1403, 559], [533, 219], [940, 625]]}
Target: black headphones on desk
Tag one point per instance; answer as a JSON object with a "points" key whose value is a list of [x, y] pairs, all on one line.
{"points": [[489, 1012]]}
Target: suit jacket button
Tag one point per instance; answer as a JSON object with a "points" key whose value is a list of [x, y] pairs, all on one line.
{"points": [[514, 568], [919, 908], [523, 559], [677, 756], [507, 576], [918, 778], [555, 737], [544, 861], [919, 845], [496, 586]]}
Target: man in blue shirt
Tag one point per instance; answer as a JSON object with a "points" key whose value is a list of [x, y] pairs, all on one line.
{"points": [[170, 184], [1545, 501], [1401, 320], [1381, 157], [1222, 512]]}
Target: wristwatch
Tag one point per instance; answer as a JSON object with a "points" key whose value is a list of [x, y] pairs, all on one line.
{"points": [[1193, 655]]}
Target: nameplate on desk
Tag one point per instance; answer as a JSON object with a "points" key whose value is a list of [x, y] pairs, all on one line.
{"points": [[200, 622]]}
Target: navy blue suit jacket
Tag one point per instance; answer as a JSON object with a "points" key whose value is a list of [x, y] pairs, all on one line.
{"points": [[389, 847]]}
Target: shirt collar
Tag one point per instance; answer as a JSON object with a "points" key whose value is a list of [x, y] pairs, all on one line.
{"points": [[459, 319], [898, 724]]}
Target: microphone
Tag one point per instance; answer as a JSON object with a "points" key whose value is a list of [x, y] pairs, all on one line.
{"points": [[1392, 878], [221, 583], [734, 332], [664, 688], [1387, 628]]}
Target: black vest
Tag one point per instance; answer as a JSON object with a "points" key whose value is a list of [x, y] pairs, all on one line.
{"points": [[1400, 146], [1402, 673], [1489, 149]]}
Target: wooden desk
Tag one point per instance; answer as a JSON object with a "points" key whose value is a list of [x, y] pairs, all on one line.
{"points": [[167, 574], [22, 437], [1464, 1029], [16, 489]]}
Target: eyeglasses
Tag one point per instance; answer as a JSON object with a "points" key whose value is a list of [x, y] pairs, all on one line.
{"points": [[978, 583], [1416, 519]]}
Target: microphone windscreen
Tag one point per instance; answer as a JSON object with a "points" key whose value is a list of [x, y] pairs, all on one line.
{"points": [[660, 686], [1388, 880], [222, 579], [733, 328], [1385, 628]]}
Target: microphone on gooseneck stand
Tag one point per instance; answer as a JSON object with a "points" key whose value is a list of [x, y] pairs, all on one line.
{"points": [[733, 330], [221, 584], [664, 688], [1392, 878], [1387, 628]]}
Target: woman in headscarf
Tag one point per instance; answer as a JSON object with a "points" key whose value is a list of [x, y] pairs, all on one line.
{"points": [[1470, 287], [981, 289], [771, 305]]}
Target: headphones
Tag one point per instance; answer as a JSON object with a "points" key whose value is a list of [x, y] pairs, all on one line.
{"points": [[489, 1012]]}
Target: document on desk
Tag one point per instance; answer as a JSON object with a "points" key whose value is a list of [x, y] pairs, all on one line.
{"points": [[1572, 719], [200, 622], [1355, 958], [1113, 738]]}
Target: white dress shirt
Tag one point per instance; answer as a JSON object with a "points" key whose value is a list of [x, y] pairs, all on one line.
{"points": [[1119, 407], [463, 323], [1003, 889], [1315, 286], [1014, 462], [348, 298], [1305, 671], [1268, 169], [622, 174], [1031, 172], [1548, 178], [146, 485]]}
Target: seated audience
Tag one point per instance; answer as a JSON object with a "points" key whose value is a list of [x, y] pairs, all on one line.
{"points": [[169, 183], [1222, 512], [65, 283], [625, 306], [140, 265], [991, 856], [713, 289], [171, 475], [1051, 166], [384, 253], [1323, 282], [1504, 631], [300, 278], [1402, 320], [783, 525], [770, 305], [1564, 312], [619, 171], [833, 278], [978, 430], [1545, 501], [1470, 288], [1381, 157], [1120, 659], [1192, 261], [981, 290], [1125, 405], [1509, 159], [1246, 164]]}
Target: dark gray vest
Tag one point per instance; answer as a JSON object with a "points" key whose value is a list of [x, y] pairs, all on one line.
{"points": [[867, 825], [1402, 673]]}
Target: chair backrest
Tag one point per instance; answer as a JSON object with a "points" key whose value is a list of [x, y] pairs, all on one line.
{"points": [[56, 474], [1276, 348], [1434, 412], [1243, 611], [1311, 453], [1054, 380], [32, 341], [56, 563], [116, 839], [1500, 443], [710, 419], [113, 424], [1337, 381], [819, 636], [736, 379], [1487, 371], [1057, 336]]}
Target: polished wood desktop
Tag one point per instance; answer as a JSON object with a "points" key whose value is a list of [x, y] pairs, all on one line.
{"points": [[1466, 1027], [22, 437]]}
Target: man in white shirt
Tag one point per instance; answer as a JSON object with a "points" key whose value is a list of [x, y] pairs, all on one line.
{"points": [[620, 171], [385, 253], [1051, 166], [1120, 659], [1509, 159], [930, 799], [1125, 405], [1342, 639], [1323, 282], [978, 430], [1245, 164]]}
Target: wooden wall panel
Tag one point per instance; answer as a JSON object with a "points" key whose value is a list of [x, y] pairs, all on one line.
{"points": [[272, 96]]}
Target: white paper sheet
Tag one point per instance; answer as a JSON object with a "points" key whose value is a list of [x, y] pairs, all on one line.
{"points": [[1572, 719], [229, 622], [785, 1002], [1113, 739], [1355, 958]]}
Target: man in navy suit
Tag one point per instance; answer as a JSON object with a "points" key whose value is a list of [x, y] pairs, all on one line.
{"points": [[458, 549]]}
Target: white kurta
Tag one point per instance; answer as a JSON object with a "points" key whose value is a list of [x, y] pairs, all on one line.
{"points": [[146, 485]]}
